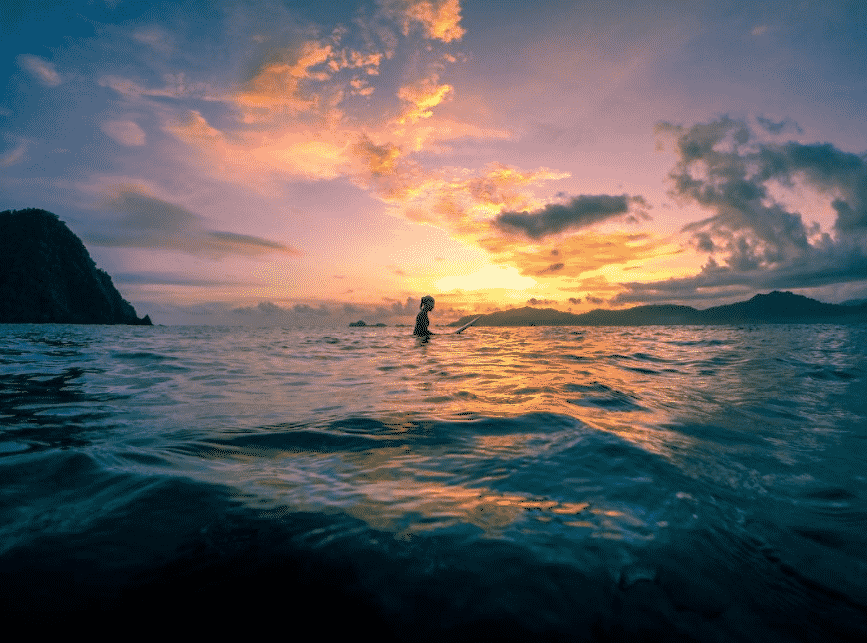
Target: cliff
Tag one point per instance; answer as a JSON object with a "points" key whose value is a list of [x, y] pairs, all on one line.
{"points": [[47, 275], [773, 308]]}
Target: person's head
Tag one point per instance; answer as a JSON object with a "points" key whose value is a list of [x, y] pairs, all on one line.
{"points": [[427, 303]]}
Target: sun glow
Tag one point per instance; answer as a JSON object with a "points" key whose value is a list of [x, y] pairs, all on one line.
{"points": [[489, 277]]}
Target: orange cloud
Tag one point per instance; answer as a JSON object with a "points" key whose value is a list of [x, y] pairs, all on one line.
{"points": [[578, 254], [277, 84], [194, 129], [439, 19], [258, 158], [422, 97]]}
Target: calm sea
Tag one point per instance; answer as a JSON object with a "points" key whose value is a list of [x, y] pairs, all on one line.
{"points": [[598, 484]]}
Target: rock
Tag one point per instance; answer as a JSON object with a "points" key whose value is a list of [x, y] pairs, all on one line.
{"points": [[47, 275]]}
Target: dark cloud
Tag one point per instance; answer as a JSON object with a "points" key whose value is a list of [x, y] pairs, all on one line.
{"points": [[541, 302], [579, 212], [574, 300], [169, 279], [328, 312], [272, 310], [248, 244], [267, 308], [554, 267], [149, 222], [306, 309], [776, 127], [753, 241], [411, 307], [594, 300]]}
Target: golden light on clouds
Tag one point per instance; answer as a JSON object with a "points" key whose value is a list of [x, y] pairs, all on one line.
{"points": [[487, 278], [439, 19], [277, 84], [422, 96], [351, 137], [292, 120]]}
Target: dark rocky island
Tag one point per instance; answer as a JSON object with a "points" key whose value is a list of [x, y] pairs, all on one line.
{"points": [[362, 324], [48, 276], [773, 308]]}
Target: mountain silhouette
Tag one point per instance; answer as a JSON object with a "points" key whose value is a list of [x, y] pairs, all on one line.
{"points": [[775, 307], [48, 276]]}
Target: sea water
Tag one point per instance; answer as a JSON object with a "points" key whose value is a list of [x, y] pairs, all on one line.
{"points": [[548, 483]]}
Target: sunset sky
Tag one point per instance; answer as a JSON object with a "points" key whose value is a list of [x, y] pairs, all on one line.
{"points": [[321, 162]]}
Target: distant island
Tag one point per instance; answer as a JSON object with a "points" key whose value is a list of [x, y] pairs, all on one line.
{"points": [[362, 324], [773, 308], [48, 276]]}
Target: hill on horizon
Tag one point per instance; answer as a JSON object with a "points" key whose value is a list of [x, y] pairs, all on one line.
{"points": [[48, 276], [774, 307]]}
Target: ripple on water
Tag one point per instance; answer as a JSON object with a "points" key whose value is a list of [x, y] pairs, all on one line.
{"points": [[730, 508]]}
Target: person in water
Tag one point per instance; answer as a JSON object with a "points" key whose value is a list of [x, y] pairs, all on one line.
{"points": [[421, 320]]}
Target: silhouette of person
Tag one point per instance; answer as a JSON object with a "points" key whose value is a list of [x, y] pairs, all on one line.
{"points": [[421, 320]]}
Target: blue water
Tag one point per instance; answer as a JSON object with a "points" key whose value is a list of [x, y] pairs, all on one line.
{"points": [[588, 484]]}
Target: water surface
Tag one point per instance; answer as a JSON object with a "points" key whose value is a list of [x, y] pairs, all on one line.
{"points": [[651, 483]]}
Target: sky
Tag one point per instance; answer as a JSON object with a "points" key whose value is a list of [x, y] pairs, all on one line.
{"points": [[307, 162]]}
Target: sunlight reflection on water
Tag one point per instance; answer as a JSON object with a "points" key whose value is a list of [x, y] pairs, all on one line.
{"points": [[587, 447]]}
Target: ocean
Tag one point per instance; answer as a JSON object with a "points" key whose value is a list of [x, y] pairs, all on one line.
{"points": [[681, 483]]}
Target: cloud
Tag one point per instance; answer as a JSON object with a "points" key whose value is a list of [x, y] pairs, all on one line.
{"points": [[262, 158], [777, 127], [16, 154], [411, 306], [306, 80], [380, 160], [579, 212], [753, 241], [125, 132], [277, 85], [439, 19], [246, 244], [450, 198], [41, 69], [470, 206], [157, 38], [306, 309], [507, 278], [579, 253], [170, 279], [177, 86], [150, 222], [422, 97], [267, 308], [299, 108]]}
